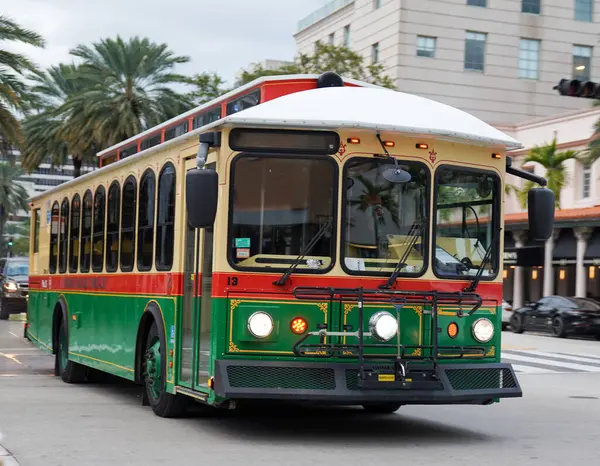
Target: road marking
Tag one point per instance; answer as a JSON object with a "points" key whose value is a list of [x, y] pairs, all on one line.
{"points": [[11, 357], [533, 370], [567, 365], [589, 356], [517, 348], [19, 349], [14, 335], [560, 357]]}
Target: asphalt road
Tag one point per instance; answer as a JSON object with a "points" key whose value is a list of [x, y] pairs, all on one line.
{"points": [[46, 422]]}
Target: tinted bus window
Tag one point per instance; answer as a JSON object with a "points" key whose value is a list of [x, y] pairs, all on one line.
{"points": [[64, 236], [146, 221], [128, 213], [150, 142], [176, 131], [86, 233], [98, 239], [112, 227], [165, 222], [74, 234], [36, 233], [54, 238]]}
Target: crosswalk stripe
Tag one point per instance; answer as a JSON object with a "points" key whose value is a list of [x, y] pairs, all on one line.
{"points": [[593, 362], [566, 365], [532, 370], [588, 356]]}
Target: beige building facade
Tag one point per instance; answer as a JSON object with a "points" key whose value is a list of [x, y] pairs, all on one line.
{"points": [[496, 59]]}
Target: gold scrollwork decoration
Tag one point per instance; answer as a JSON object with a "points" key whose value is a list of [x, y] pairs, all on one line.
{"points": [[323, 307], [348, 308], [491, 353], [235, 303], [418, 310], [416, 352], [233, 348]]}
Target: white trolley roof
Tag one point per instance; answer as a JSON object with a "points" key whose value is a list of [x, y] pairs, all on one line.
{"points": [[372, 109]]}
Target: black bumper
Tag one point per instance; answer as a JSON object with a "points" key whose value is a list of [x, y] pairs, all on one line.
{"points": [[339, 383]]}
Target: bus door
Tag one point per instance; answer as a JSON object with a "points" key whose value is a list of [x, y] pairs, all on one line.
{"points": [[196, 308]]}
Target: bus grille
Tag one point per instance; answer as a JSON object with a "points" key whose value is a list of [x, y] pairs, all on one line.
{"points": [[480, 379], [299, 378]]}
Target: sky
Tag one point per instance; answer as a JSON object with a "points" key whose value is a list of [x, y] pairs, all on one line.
{"points": [[219, 36]]}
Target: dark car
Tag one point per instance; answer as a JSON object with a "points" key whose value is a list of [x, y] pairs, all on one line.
{"points": [[560, 316], [14, 286]]}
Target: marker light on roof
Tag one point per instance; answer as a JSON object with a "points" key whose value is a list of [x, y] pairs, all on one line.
{"points": [[353, 141], [389, 143], [422, 146], [496, 156]]}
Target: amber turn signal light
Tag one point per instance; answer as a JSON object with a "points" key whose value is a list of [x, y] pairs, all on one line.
{"points": [[452, 330], [496, 156], [298, 325], [353, 141], [389, 143], [422, 146]]}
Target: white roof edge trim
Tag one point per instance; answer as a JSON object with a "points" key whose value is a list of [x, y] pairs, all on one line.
{"points": [[256, 82]]}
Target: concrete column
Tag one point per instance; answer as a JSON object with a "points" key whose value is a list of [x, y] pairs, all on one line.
{"points": [[583, 235], [520, 238], [548, 270]]}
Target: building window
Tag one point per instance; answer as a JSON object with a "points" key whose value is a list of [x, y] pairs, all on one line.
{"points": [[477, 2], [582, 56], [112, 227], [128, 213], [475, 51], [584, 10], [530, 6], [64, 236], [375, 53], [54, 238], [331, 38], [347, 36], [529, 58], [586, 184], [98, 229], [86, 233], [376, 4], [426, 46], [145, 239], [74, 246], [165, 218]]}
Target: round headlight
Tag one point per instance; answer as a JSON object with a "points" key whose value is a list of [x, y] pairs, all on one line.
{"points": [[260, 324], [483, 330], [383, 326], [10, 286]]}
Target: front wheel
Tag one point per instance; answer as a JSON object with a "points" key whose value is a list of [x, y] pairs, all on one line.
{"points": [[382, 408], [154, 369]]}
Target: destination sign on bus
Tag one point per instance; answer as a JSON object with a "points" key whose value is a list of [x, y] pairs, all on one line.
{"points": [[259, 140]]}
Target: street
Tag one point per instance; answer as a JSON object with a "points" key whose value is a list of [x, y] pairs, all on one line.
{"points": [[44, 421]]}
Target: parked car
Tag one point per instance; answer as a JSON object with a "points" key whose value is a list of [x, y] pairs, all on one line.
{"points": [[560, 316], [14, 286], [506, 314]]}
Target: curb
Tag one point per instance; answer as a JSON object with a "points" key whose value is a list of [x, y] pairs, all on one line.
{"points": [[6, 459]]}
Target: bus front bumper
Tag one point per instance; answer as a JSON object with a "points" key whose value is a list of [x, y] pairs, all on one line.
{"points": [[339, 383]]}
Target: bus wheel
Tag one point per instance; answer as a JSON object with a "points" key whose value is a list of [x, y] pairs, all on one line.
{"points": [[154, 373], [382, 408], [69, 371]]}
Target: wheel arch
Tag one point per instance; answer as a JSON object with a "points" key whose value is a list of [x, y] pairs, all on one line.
{"points": [[152, 314]]}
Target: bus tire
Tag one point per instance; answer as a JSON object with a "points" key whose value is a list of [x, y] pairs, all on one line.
{"points": [[69, 371], [154, 370], [382, 408]]}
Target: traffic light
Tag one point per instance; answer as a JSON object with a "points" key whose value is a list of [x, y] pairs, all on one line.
{"points": [[10, 242], [577, 88]]}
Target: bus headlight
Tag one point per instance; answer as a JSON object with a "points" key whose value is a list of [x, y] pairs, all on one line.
{"points": [[483, 330], [383, 326], [260, 324]]}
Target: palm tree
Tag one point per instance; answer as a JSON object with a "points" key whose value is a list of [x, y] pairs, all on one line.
{"points": [[556, 172], [13, 91], [51, 133], [13, 196], [126, 89]]}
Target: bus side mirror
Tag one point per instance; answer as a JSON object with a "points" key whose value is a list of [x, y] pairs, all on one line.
{"points": [[541, 213], [201, 194]]}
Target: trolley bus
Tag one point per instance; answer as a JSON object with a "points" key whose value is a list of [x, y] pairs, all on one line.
{"points": [[307, 238]]}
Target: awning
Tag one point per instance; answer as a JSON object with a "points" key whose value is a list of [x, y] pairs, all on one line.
{"points": [[592, 252], [528, 256], [565, 247]]}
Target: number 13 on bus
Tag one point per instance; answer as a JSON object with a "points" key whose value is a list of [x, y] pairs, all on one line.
{"points": [[304, 237]]}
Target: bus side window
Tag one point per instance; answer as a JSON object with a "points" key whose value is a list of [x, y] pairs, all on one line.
{"points": [[36, 232], [54, 238], [146, 221], [64, 236], [98, 229], [128, 213], [86, 233], [74, 234], [112, 227], [165, 223]]}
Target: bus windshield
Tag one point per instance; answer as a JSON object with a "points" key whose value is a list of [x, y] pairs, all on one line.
{"points": [[384, 222], [278, 205], [467, 218]]}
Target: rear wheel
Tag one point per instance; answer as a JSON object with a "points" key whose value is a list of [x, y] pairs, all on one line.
{"points": [[154, 372], [382, 408], [558, 327], [516, 323], [69, 371]]}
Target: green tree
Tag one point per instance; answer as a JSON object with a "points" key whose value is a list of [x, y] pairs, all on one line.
{"points": [[206, 87], [556, 171], [339, 59], [19, 232], [14, 96], [13, 196]]}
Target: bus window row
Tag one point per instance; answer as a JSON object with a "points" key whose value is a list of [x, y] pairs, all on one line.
{"points": [[100, 231]]}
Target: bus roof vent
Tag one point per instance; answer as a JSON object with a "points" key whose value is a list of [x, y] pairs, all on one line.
{"points": [[330, 79]]}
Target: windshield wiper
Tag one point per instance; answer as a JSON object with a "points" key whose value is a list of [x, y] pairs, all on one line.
{"points": [[488, 254], [413, 237], [283, 279]]}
